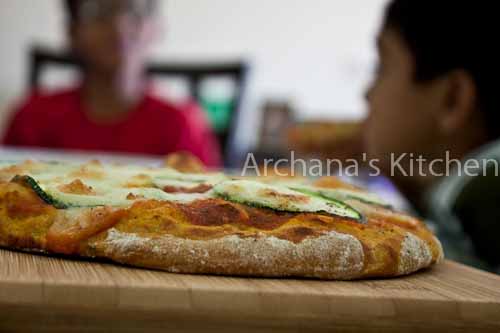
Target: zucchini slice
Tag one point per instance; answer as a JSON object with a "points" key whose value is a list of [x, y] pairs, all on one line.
{"points": [[282, 198], [118, 197], [33, 184], [341, 194]]}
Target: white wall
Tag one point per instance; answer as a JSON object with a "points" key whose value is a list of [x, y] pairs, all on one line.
{"points": [[319, 53]]}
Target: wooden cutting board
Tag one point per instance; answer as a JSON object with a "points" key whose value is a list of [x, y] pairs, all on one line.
{"points": [[39, 293]]}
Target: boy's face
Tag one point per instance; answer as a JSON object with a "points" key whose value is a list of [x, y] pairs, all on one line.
{"points": [[401, 112], [111, 34]]}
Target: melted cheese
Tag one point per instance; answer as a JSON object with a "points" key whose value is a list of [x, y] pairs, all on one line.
{"points": [[121, 185], [340, 194], [119, 197], [110, 185], [279, 198]]}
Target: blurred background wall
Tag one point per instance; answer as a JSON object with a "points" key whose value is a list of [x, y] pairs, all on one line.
{"points": [[318, 54]]}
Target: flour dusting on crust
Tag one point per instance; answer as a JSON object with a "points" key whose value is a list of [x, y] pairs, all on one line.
{"points": [[331, 256], [415, 254]]}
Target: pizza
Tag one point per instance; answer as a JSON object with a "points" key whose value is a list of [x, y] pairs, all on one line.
{"points": [[188, 220]]}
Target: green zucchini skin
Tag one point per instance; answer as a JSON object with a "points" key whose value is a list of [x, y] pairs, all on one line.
{"points": [[33, 184], [339, 195], [230, 191], [361, 217], [354, 214]]}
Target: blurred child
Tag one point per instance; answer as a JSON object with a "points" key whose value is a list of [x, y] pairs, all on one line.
{"points": [[112, 108], [434, 96]]}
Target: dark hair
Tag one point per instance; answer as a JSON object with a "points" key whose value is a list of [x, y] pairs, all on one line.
{"points": [[444, 35], [72, 7]]}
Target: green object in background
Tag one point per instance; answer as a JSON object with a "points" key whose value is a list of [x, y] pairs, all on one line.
{"points": [[219, 112], [217, 97]]}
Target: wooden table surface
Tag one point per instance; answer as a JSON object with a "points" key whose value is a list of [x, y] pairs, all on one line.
{"points": [[40, 293]]}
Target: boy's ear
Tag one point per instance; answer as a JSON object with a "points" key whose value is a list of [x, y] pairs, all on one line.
{"points": [[459, 101]]}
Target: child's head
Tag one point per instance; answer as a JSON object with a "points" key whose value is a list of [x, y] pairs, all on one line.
{"points": [[434, 85], [110, 34]]}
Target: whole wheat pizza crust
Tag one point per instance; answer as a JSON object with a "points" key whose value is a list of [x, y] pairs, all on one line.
{"points": [[331, 256], [214, 236]]}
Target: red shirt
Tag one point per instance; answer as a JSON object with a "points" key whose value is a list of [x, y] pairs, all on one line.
{"points": [[154, 126]]}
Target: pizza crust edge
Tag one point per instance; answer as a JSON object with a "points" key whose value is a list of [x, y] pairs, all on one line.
{"points": [[330, 256]]}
